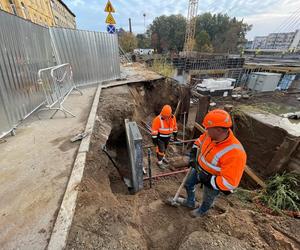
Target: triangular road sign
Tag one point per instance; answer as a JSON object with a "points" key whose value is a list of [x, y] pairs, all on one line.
{"points": [[109, 8], [110, 19]]}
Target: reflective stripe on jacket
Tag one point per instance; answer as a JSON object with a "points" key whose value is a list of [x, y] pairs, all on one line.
{"points": [[225, 160], [163, 127]]}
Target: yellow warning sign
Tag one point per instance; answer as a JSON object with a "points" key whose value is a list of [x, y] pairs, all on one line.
{"points": [[110, 19], [109, 8]]}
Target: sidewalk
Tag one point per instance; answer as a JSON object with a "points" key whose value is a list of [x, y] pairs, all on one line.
{"points": [[34, 170]]}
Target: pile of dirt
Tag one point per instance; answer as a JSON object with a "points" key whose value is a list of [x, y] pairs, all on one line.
{"points": [[108, 217]]}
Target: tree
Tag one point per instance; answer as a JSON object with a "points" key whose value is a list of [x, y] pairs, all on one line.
{"points": [[128, 42], [203, 42], [167, 33], [214, 32], [143, 41], [226, 34]]}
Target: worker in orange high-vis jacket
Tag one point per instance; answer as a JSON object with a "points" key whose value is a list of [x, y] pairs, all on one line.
{"points": [[163, 127], [218, 161]]}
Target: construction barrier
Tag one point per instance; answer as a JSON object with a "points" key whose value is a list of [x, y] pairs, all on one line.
{"points": [[57, 83], [93, 56], [25, 47]]}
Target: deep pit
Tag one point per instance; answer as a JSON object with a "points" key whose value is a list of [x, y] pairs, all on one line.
{"points": [[108, 217]]}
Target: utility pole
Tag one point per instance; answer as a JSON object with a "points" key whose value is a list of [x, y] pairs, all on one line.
{"points": [[130, 27], [144, 15], [191, 26]]}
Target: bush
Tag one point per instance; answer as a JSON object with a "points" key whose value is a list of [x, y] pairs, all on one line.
{"points": [[282, 192]]}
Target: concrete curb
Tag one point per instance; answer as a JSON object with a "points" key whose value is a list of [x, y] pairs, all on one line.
{"points": [[65, 216]]}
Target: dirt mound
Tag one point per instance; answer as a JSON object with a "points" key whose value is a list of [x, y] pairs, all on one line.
{"points": [[207, 241]]}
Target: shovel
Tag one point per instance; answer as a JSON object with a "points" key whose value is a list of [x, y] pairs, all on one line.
{"points": [[127, 181], [174, 201]]}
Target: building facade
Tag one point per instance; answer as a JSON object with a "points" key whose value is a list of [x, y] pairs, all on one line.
{"points": [[63, 16], [289, 41], [259, 42], [279, 41], [37, 11], [44, 12]]}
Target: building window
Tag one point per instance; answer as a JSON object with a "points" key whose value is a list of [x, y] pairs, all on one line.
{"points": [[13, 7], [25, 10]]}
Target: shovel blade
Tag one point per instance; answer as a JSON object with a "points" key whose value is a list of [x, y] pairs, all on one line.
{"points": [[171, 202]]}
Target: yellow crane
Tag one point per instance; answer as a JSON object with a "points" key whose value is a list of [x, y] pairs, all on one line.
{"points": [[191, 26]]}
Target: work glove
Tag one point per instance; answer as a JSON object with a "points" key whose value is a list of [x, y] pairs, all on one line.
{"points": [[205, 178], [155, 140], [193, 160], [193, 164], [175, 136]]}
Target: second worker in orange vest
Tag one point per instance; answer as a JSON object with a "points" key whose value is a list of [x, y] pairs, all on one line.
{"points": [[218, 161], [163, 127]]}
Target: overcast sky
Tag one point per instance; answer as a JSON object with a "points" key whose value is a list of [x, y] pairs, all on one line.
{"points": [[265, 15]]}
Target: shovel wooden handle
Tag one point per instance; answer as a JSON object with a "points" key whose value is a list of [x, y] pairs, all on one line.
{"points": [[182, 185]]}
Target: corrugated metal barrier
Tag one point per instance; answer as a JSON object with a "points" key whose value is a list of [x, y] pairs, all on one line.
{"points": [[94, 56], [25, 48]]}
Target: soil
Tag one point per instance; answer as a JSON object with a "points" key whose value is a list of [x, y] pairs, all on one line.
{"points": [[108, 217]]}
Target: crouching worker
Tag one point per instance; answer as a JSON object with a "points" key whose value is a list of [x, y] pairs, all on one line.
{"points": [[218, 161], [163, 127]]}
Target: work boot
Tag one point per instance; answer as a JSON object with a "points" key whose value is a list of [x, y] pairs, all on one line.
{"points": [[165, 161], [196, 213], [161, 165], [183, 202]]}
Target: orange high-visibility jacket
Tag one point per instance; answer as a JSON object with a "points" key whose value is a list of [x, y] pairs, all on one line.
{"points": [[164, 127], [225, 160]]}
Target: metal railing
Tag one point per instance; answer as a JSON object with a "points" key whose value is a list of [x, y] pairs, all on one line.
{"points": [[57, 83]]}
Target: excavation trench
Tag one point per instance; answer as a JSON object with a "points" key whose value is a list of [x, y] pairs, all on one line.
{"points": [[108, 217]]}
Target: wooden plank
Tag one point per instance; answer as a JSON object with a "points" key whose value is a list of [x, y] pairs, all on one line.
{"points": [[185, 96], [177, 109], [254, 177]]}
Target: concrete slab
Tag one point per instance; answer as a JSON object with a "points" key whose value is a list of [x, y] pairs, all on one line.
{"points": [[133, 74], [35, 166]]}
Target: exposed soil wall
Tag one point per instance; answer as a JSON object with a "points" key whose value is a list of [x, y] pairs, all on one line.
{"points": [[260, 141], [270, 149]]}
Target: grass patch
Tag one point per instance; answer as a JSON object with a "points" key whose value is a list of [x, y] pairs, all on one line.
{"points": [[282, 193], [161, 66]]}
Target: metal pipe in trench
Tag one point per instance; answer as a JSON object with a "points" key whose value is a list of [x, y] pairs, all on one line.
{"points": [[167, 174]]}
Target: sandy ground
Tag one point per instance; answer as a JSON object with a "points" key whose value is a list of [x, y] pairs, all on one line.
{"points": [[108, 217], [34, 170]]}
